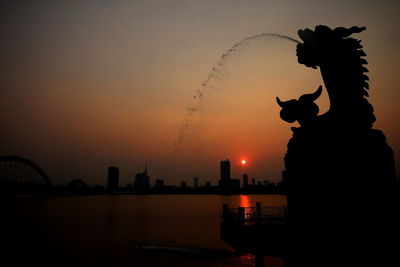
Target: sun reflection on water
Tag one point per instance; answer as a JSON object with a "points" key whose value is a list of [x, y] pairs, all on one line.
{"points": [[247, 259], [245, 201]]}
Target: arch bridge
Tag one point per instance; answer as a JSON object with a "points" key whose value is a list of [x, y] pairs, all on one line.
{"points": [[18, 173]]}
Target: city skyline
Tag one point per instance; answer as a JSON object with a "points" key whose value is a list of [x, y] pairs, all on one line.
{"points": [[91, 85], [194, 181]]}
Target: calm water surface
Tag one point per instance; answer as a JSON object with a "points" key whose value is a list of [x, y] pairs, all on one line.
{"points": [[107, 230]]}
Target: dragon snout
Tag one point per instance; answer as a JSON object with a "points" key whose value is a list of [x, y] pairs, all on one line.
{"points": [[289, 110]]}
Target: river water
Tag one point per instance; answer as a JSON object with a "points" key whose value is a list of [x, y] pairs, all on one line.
{"points": [[125, 230]]}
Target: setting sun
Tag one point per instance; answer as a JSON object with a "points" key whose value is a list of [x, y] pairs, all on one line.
{"points": [[243, 162]]}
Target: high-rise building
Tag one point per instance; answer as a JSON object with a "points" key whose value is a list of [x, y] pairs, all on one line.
{"points": [[183, 185], [253, 181], [142, 181], [245, 180], [113, 178], [159, 183], [196, 182], [226, 184], [225, 170]]}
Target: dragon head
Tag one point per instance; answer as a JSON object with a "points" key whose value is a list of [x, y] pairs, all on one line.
{"points": [[302, 110], [322, 44]]}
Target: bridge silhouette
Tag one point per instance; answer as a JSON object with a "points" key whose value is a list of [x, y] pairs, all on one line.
{"points": [[19, 175], [18, 169]]}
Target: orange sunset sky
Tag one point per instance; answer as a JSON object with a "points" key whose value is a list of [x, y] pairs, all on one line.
{"points": [[91, 84]]}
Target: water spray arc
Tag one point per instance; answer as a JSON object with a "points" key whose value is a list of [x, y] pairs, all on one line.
{"points": [[213, 74]]}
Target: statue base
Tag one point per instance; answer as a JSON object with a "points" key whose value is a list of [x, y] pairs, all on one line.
{"points": [[341, 190]]}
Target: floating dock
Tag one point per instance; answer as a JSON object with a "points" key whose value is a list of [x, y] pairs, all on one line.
{"points": [[260, 230]]}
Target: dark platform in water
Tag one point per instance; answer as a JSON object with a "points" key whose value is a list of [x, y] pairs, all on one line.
{"points": [[257, 230]]}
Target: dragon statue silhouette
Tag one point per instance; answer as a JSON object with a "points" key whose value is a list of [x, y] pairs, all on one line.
{"points": [[341, 61], [338, 170]]}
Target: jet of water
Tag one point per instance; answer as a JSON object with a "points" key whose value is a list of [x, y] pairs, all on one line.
{"points": [[214, 73]]}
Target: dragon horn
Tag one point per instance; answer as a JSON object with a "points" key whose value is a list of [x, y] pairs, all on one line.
{"points": [[344, 32], [317, 93], [311, 97], [282, 104]]}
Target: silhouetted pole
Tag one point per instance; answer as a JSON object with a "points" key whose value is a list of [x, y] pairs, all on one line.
{"points": [[241, 215], [259, 260], [225, 212], [258, 211]]}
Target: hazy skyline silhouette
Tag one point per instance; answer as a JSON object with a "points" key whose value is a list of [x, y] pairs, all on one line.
{"points": [[88, 85]]}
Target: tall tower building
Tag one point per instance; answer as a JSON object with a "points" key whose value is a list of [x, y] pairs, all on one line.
{"points": [[196, 182], [225, 170], [142, 181], [245, 180], [227, 185], [113, 178]]}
